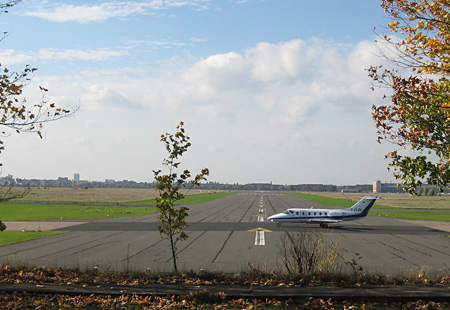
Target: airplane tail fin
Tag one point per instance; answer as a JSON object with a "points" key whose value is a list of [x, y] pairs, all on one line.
{"points": [[363, 206]]}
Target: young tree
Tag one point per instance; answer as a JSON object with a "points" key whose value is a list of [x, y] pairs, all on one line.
{"points": [[172, 219], [418, 116], [15, 113]]}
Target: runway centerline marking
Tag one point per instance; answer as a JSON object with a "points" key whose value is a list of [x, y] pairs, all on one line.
{"points": [[259, 238], [259, 232]]}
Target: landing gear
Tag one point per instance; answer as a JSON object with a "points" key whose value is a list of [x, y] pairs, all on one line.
{"points": [[324, 225]]}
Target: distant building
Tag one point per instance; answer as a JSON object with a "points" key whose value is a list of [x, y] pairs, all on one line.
{"points": [[8, 180], [76, 178], [377, 187]]}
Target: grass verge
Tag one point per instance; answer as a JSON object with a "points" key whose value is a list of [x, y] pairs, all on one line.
{"points": [[16, 212], [32, 212], [415, 215], [9, 237], [334, 202], [190, 199]]}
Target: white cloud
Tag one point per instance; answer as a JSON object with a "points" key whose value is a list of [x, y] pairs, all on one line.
{"points": [[304, 111], [61, 13], [87, 14], [12, 57], [290, 81], [275, 62]]}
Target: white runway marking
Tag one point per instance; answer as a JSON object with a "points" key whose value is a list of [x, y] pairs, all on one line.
{"points": [[259, 238]]}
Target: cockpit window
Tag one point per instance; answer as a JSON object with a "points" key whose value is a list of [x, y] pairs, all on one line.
{"points": [[291, 211]]}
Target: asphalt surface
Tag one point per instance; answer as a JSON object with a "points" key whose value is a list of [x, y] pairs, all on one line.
{"points": [[227, 235], [368, 293]]}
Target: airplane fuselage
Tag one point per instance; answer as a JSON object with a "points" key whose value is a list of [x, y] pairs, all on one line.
{"points": [[298, 215], [325, 216]]}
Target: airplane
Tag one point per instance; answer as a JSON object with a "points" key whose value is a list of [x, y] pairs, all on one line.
{"points": [[323, 217]]}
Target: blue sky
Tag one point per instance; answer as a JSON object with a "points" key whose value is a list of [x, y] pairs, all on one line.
{"points": [[270, 91]]}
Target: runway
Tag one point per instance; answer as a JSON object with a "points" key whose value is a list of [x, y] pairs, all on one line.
{"points": [[229, 233]]}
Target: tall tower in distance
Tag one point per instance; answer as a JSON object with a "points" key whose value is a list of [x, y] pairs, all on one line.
{"points": [[76, 178], [377, 187]]}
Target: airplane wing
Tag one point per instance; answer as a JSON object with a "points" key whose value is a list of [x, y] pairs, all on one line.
{"points": [[322, 221]]}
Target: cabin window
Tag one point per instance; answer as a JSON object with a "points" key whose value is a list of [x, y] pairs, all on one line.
{"points": [[320, 213], [303, 213], [325, 213], [296, 213], [309, 213], [315, 213]]}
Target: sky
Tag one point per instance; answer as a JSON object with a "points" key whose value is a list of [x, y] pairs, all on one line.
{"points": [[269, 90]]}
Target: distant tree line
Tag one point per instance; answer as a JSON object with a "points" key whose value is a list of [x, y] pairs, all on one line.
{"points": [[64, 182]]}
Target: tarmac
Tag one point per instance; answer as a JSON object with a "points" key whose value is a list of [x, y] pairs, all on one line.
{"points": [[366, 293], [225, 235], [58, 225], [40, 225]]}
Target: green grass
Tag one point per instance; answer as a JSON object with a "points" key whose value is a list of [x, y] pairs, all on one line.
{"points": [[415, 215], [333, 202], [31, 212], [16, 212], [8, 237], [326, 201], [191, 199]]}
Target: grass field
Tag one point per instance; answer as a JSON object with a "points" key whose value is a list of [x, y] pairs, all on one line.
{"points": [[44, 212], [9, 237], [30, 212], [398, 201], [191, 199], [409, 203], [87, 196], [102, 196]]}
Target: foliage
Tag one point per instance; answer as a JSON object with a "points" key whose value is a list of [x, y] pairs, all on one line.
{"points": [[24, 300], [15, 113], [171, 219], [204, 297], [308, 253], [4, 7], [418, 116]]}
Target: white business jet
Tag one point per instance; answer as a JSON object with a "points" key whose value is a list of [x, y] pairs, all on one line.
{"points": [[325, 216]]}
